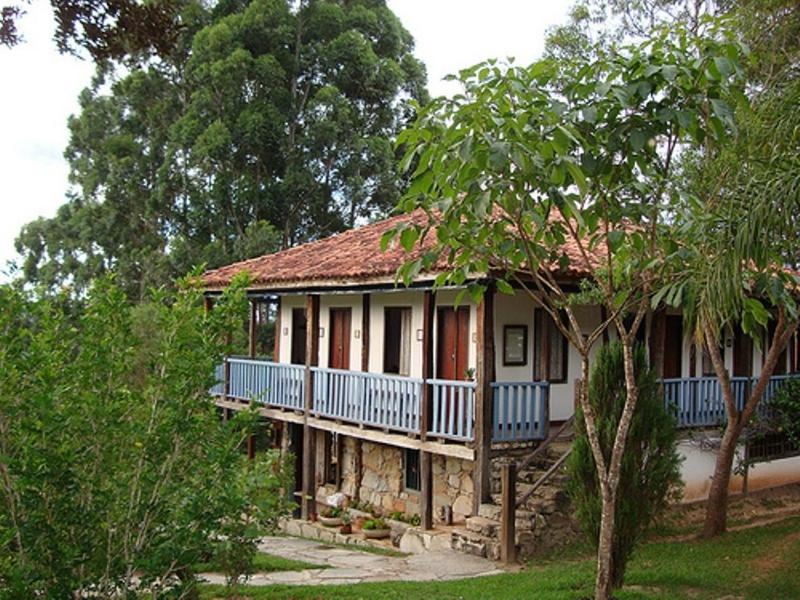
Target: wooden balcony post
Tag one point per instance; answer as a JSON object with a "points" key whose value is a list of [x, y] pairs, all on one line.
{"points": [[425, 459], [484, 376], [365, 320], [508, 514], [251, 330], [308, 505], [276, 342]]}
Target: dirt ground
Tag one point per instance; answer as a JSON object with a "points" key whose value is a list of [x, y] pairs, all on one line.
{"points": [[757, 508]]}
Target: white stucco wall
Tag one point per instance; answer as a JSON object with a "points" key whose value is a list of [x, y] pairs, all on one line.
{"points": [[698, 468]]}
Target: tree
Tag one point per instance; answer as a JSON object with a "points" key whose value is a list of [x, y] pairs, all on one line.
{"points": [[268, 112], [738, 267], [106, 29], [650, 471], [118, 473], [533, 174], [743, 194]]}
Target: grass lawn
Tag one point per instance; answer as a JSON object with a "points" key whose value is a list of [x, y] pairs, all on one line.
{"points": [[264, 563], [759, 563]]}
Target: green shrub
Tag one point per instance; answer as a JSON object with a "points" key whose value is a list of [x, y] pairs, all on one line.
{"points": [[786, 410], [377, 523], [118, 472], [650, 474]]}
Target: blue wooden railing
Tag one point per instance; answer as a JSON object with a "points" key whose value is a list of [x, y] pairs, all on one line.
{"points": [[389, 401], [519, 411], [393, 402], [453, 415], [269, 383], [698, 401]]}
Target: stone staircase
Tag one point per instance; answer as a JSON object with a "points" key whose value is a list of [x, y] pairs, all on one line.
{"points": [[543, 522]]}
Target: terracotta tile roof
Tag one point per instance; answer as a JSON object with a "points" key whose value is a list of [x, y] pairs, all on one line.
{"points": [[353, 256], [349, 258]]}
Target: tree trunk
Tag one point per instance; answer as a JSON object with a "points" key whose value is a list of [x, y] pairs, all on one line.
{"points": [[717, 503], [603, 584]]}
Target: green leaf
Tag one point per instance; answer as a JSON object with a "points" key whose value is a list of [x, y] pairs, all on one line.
{"points": [[578, 177], [615, 239], [504, 287], [408, 237], [638, 139], [386, 239]]}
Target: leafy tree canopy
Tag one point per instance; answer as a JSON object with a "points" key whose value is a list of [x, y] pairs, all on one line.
{"points": [[106, 29], [270, 124]]}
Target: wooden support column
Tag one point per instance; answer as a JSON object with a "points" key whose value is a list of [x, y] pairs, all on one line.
{"points": [[484, 400], [276, 343], [251, 330], [426, 458], [508, 514], [308, 504], [251, 352], [358, 468], [365, 302], [339, 451]]}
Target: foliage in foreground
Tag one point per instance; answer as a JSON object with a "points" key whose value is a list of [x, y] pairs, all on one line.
{"points": [[650, 466], [117, 470]]}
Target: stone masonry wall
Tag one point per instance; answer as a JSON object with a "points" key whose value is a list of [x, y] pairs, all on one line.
{"points": [[382, 481]]}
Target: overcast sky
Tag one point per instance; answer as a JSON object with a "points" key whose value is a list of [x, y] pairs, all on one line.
{"points": [[41, 87]]}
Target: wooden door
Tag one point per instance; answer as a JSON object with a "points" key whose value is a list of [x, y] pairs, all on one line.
{"points": [[452, 335], [742, 354], [339, 349], [298, 336], [673, 346]]}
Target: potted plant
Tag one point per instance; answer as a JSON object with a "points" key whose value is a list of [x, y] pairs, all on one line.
{"points": [[331, 516], [375, 529], [346, 527]]}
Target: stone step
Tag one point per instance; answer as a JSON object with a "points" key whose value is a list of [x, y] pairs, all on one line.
{"points": [[416, 540], [482, 525], [469, 542]]}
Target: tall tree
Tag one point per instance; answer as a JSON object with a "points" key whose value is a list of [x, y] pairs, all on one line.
{"points": [[106, 29], [271, 125]]}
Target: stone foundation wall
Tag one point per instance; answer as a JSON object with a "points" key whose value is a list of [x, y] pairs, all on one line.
{"points": [[382, 481]]}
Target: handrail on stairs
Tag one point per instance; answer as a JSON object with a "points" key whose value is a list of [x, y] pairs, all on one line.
{"points": [[510, 503]]}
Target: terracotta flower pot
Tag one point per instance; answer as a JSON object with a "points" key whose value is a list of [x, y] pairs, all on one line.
{"points": [[346, 528]]}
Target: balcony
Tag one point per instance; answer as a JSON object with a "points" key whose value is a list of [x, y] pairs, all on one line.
{"points": [[698, 401], [393, 403], [388, 402]]}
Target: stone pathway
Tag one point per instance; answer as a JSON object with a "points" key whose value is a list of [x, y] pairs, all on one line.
{"points": [[353, 566]]}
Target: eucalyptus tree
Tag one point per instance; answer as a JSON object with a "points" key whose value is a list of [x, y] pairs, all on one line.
{"points": [[271, 121], [533, 174]]}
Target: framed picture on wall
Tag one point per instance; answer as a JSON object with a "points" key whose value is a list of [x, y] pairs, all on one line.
{"points": [[515, 345]]}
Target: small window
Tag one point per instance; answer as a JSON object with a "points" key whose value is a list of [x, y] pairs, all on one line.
{"points": [[397, 340], [412, 479], [515, 345], [551, 351]]}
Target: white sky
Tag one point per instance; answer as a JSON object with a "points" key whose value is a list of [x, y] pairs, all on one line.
{"points": [[40, 87]]}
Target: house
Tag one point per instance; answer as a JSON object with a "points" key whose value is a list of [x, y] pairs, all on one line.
{"points": [[400, 397]]}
